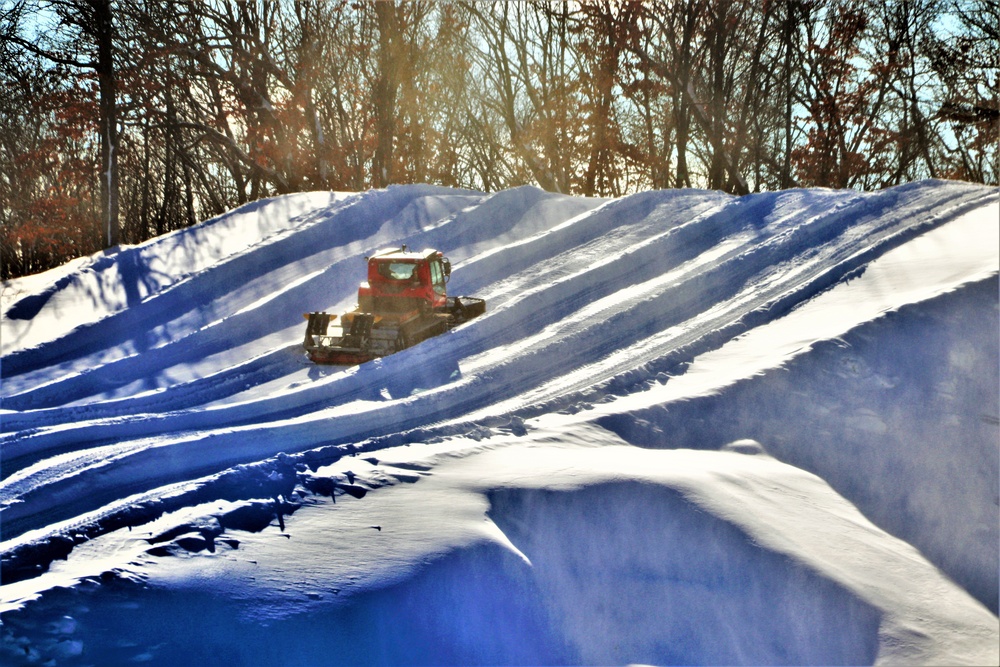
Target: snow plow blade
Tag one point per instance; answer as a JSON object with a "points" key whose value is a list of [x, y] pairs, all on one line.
{"points": [[465, 308]]}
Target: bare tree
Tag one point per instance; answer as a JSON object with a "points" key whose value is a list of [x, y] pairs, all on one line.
{"points": [[84, 28], [124, 119], [966, 57]]}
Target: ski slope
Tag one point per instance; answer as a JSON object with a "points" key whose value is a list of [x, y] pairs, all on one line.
{"points": [[690, 428]]}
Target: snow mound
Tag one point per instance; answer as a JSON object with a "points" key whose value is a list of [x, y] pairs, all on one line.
{"points": [[690, 428]]}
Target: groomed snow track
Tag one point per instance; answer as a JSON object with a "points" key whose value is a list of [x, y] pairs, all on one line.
{"points": [[169, 374]]}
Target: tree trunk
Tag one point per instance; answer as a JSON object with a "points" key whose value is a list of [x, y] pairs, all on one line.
{"points": [[108, 121], [386, 88], [787, 33]]}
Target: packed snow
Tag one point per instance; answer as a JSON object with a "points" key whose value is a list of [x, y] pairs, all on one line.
{"points": [[690, 428]]}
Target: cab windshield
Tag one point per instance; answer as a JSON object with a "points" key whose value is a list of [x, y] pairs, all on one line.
{"points": [[397, 270]]}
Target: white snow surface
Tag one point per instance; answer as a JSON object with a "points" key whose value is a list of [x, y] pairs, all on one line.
{"points": [[690, 429]]}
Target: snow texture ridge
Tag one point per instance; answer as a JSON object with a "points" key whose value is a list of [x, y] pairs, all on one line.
{"points": [[731, 430]]}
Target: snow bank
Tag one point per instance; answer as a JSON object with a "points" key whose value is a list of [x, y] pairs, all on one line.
{"points": [[562, 547], [550, 463]]}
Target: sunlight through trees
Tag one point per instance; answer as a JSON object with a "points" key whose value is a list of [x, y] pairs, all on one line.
{"points": [[125, 119]]}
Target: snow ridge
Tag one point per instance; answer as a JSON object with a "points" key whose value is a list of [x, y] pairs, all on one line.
{"points": [[145, 384]]}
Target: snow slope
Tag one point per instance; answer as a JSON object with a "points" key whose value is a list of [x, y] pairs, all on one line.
{"points": [[690, 428]]}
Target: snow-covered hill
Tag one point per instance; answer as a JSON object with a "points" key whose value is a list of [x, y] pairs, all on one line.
{"points": [[690, 428]]}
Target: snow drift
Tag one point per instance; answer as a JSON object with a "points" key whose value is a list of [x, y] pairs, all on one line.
{"points": [[690, 429]]}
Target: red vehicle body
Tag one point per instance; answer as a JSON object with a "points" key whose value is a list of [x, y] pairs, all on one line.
{"points": [[403, 302]]}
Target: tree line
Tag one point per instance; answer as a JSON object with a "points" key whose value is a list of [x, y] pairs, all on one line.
{"points": [[125, 119]]}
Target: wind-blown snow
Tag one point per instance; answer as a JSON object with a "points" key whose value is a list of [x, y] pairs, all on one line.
{"points": [[690, 428]]}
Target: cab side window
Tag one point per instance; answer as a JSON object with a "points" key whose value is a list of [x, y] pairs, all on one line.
{"points": [[437, 276]]}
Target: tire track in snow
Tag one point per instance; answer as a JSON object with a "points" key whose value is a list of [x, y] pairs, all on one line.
{"points": [[762, 264], [561, 294]]}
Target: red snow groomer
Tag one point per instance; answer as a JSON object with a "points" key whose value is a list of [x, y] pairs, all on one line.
{"points": [[403, 302]]}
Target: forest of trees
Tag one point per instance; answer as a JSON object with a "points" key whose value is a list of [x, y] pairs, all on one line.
{"points": [[125, 119]]}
